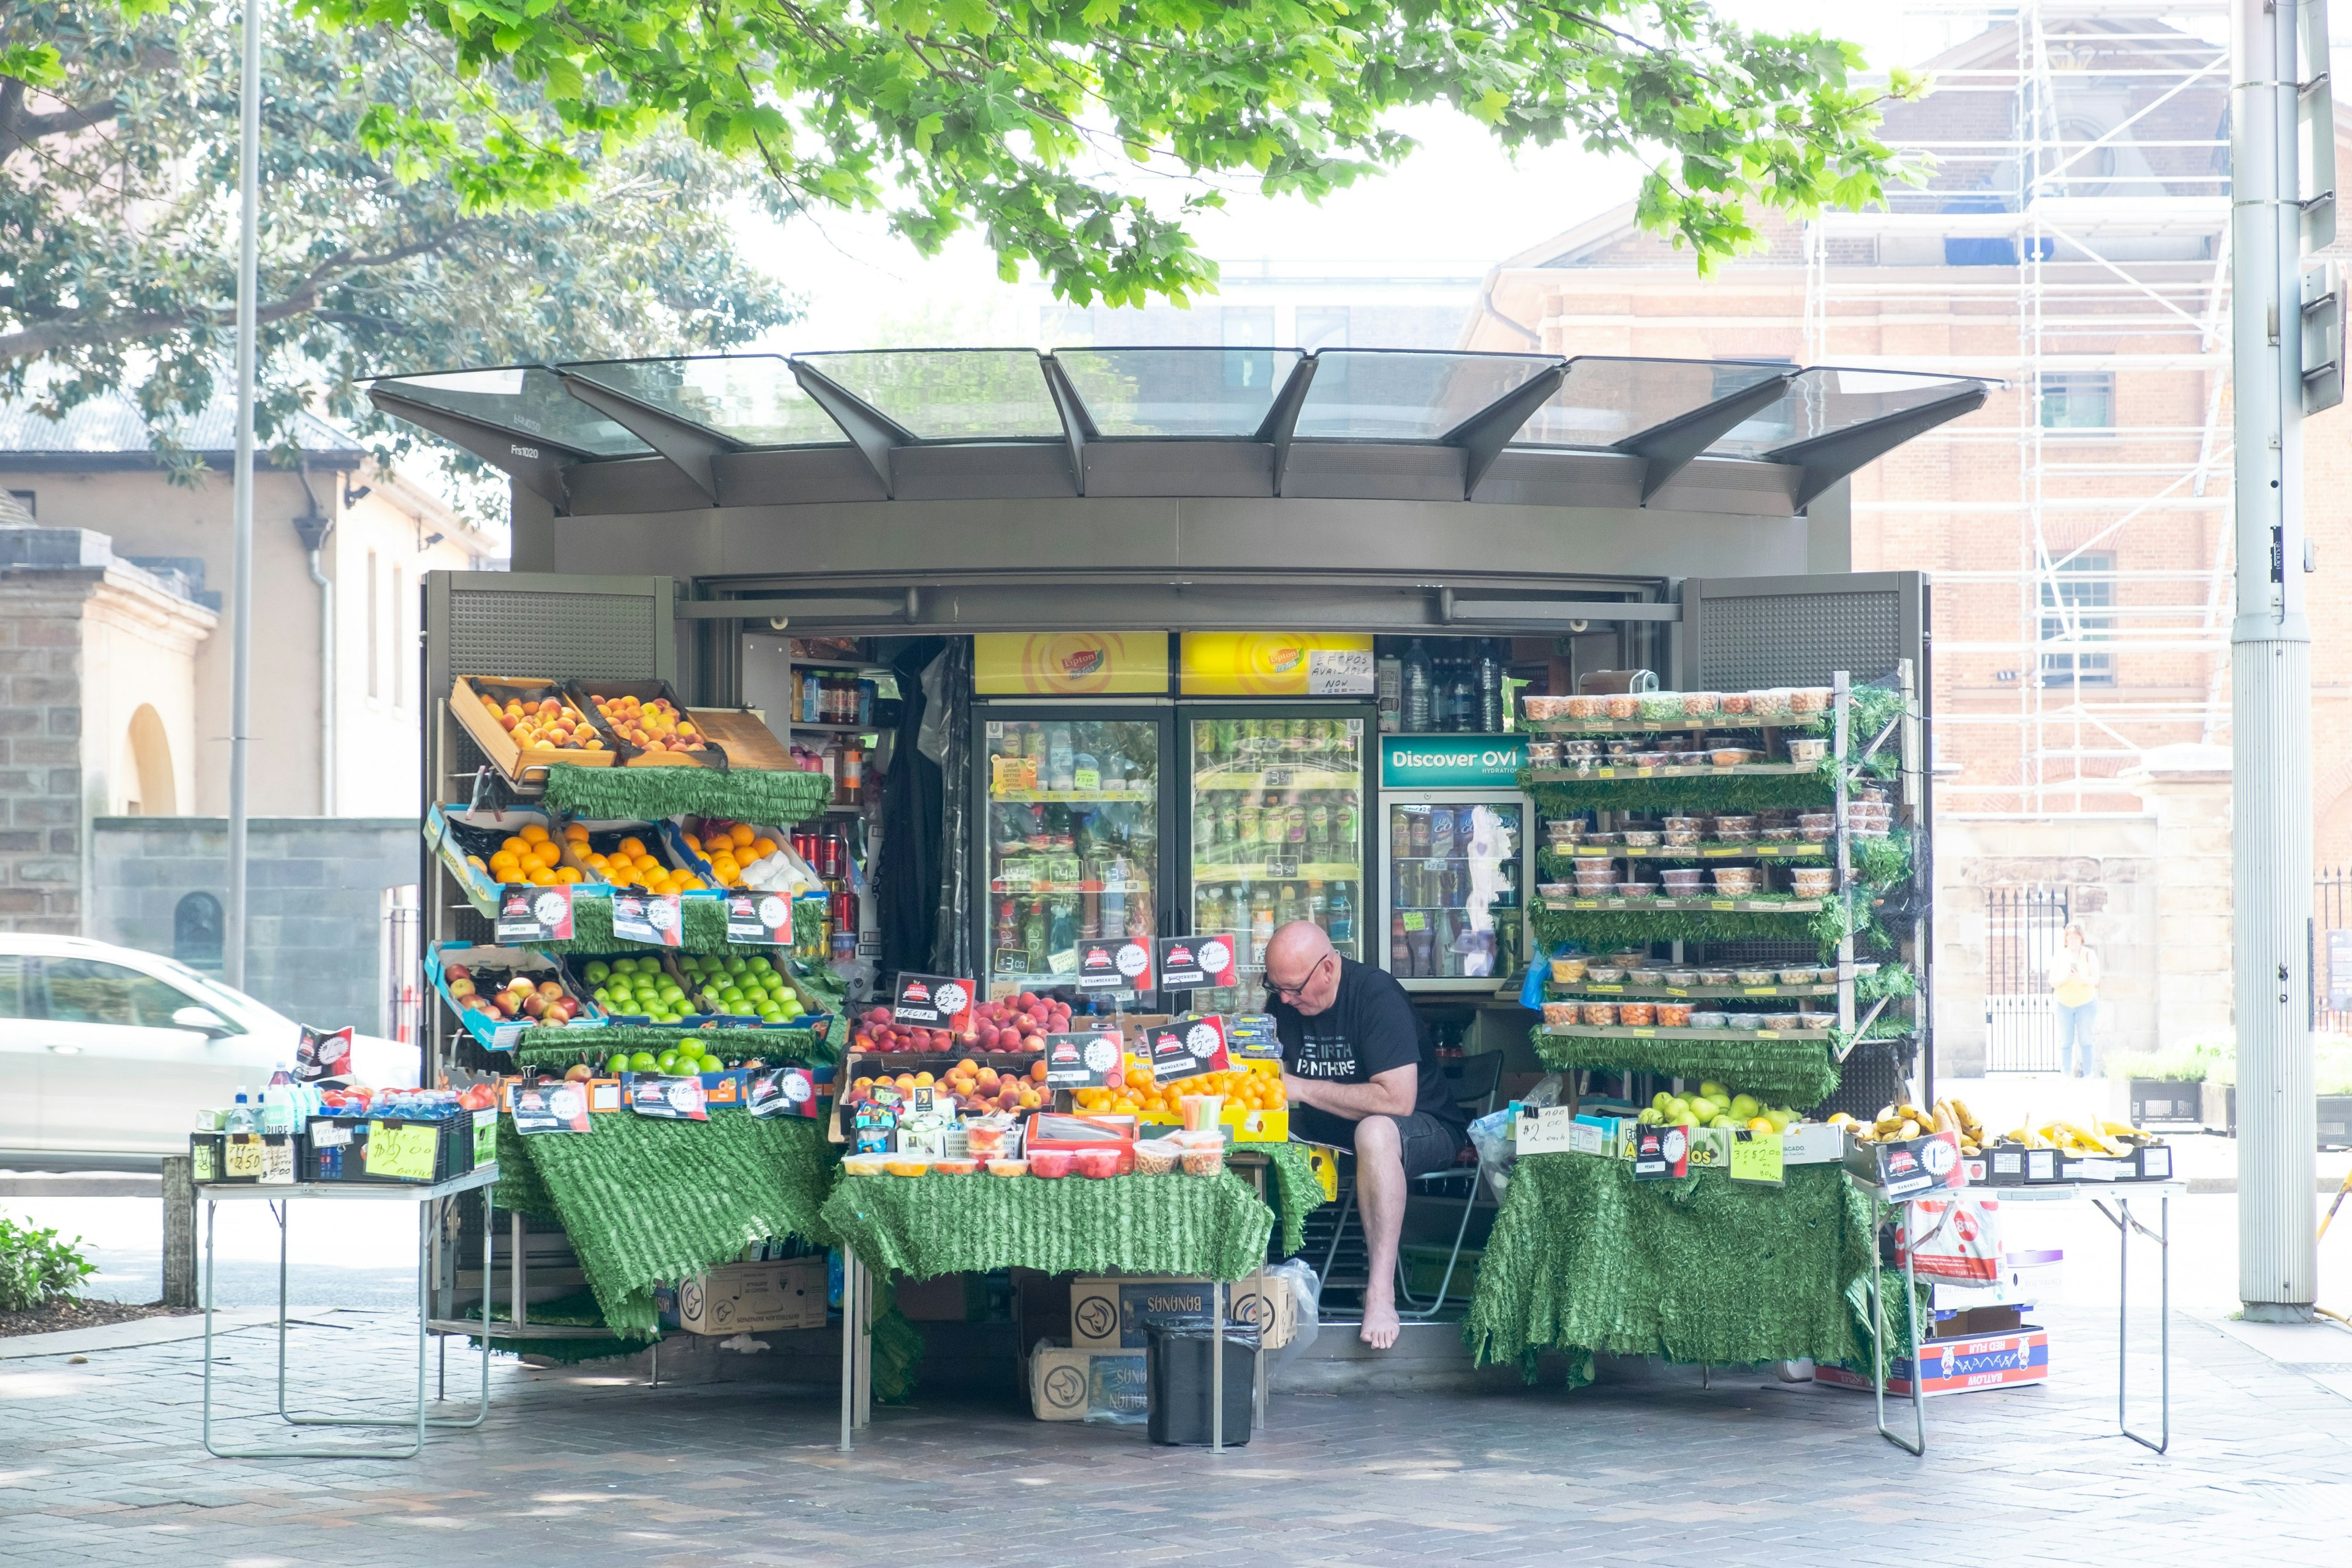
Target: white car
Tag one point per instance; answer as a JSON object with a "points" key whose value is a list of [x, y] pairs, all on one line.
{"points": [[108, 1053]]}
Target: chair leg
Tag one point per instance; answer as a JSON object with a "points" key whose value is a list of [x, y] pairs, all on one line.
{"points": [[1347, 1207], [1460, 1231]]}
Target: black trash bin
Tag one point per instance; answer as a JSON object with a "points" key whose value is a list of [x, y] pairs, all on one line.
{"points": [[1177, 1365]]}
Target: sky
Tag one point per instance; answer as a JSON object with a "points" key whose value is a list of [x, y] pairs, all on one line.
{"points": [[1458, 200]]}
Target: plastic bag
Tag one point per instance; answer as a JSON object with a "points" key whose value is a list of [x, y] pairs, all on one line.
{"points": [[1308, 1291], [1955, 1238], [1491, 1136]]}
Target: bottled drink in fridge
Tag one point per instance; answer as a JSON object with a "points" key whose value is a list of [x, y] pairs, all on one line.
{"points": [[1400, 834], [1343, 923], [1400, 949], [1318, 906], [1461, 697], [1388, 685], [1032, 936], [1061, 759], [1343, 828], [1420, 689], [1261, 930], [1319, 829], [1490, 688]]}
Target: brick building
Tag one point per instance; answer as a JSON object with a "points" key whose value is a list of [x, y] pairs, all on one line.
{"points": [[2069, 239]]}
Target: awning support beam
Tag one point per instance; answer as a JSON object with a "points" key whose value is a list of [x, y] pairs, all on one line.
{"points": [[1826, 459], [536, 463], [1077, 425], [1281, 421], [1484, 434], [1670, 447], [872, 432], [690, 448]]}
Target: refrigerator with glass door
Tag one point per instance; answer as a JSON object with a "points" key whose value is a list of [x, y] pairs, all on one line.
{"points": [[1069, 838], [1456, 861]]}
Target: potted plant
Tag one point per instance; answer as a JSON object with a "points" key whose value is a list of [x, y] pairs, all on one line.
{"points": [[2170, 1085]]}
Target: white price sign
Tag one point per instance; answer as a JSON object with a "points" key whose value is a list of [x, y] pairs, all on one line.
{"points": [[1338, 672]]}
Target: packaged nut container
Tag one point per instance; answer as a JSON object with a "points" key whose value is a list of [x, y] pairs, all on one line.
{"points": [[1681, 976], [1159, 1157], [1624, 706], [1735, 879], [1708, 1020], [1816, 1020], [1719, 978], [1673, 1014], [1701, 704], [1544, 709], [1642, 838], [1587, 707], [1543, 753], [1782, 1021], [1796, 976], [1812, 881], [1806, 750], [1559, 1014], [1637, 1015], [1682, 881], [1755, 977], [1563, 830], [1203, 1152], [1600, 1014], [1646, 976], [1605, 975], [1683, 824], [1808, 699]]}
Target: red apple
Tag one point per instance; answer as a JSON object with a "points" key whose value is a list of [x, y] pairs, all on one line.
{"points": [[456, 971]]}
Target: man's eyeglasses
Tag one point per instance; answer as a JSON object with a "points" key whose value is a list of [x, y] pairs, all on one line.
{"points": [[1292, 992]]}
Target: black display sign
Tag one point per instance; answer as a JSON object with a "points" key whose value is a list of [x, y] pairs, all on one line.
{"points": [[1082, 1061], [1115, 963], [932, 1002], [655, 918], [528, 913], [668, 1098], [322, 1052], [782, 1091], [1661, 1153], [763, 917], [1186, 1048], [1209, 958], [551, 1105]]}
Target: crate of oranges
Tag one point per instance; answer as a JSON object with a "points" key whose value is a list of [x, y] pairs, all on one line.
{"points": [[722, 851], [531, 854], [1255, 1110], [626, 855]]}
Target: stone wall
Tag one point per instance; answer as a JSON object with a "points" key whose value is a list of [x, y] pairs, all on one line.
{"points": [[315, 891], [2150, 889]]}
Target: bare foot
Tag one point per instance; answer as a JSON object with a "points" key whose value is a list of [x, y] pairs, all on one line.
{"points": [[1380, 1326]]}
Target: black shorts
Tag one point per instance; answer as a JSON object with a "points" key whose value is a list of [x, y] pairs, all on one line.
{"points": [[1428, 1142]]}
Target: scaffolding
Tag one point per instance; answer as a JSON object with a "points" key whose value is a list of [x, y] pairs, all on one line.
{"points": [[2071, 239]]}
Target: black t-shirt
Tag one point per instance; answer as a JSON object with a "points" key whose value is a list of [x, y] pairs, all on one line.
{"points": [[1370, 1027]]}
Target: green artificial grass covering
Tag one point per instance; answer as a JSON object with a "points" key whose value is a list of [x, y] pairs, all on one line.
{"points": [[520, 1190], [1796, 1073], [646, 1201], [1296, 1192], [596, 1047], [1815, 788], [704, 930], [1202, 1226], [1585, 1260], [769, 797]]}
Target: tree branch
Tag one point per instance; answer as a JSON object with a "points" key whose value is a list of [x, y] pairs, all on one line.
{"points": [[19, 130]]}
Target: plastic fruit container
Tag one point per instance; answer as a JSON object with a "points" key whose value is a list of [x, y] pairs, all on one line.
{"points": [[1095, 1163], [1567, 971], [956, 1167], [1601, 1015], [1202, 1153], [897, 1167], [1049, 1163], [1673, 1014], [1157, 1157], [1636, 1015], [1559, 1014], [1008, 1167], [863, 1164]]}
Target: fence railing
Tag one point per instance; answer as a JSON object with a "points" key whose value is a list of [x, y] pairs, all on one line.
{"points": [[2024, 932]]}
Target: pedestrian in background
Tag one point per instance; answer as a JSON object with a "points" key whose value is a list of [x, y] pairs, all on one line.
{"points": [[2074, 985]]}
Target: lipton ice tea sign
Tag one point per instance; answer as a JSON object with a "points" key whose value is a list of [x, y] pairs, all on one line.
{"points": [[1277, 664], [1069, 663]]}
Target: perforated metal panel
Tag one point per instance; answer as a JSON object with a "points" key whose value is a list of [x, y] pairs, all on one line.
{"points": [[1741, 632], [503, 631]]}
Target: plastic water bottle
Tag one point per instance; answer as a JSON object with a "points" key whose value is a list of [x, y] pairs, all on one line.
{"points": [[1420, 689], [1490, 689], [240, 1115]]}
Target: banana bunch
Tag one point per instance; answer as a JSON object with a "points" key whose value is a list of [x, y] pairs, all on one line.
{"points": [[1902, 1121], [2112, 1139]]}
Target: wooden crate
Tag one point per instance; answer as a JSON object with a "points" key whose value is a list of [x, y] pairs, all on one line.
{"points": [[744, 736], [512, 761]]}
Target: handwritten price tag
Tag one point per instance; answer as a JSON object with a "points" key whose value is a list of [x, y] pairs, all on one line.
{"points": [[402, 1151], [1756, 1157]]}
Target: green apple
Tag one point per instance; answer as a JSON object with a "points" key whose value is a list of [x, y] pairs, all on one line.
{"points": [[1744, 1107], [1723, 1121], [1706, 1107], [1661, 1099]]}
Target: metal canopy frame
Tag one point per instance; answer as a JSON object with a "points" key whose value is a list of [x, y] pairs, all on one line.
{"points": [[724, 468]]}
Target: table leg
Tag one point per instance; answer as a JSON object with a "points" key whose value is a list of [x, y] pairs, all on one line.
{"points": [[211, 1210], [1916, 1444], [1217, 1368], [848, 1344], [865, 1345], [482, 1402], [2125, 1223]]}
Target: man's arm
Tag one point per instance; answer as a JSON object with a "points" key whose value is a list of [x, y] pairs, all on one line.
{"points": [[1391, 1093]]}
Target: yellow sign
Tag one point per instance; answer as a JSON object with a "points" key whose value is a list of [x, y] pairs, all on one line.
{"points": [[1069, 664], [1756, 1157], [1277, 664], [402, 1151]]}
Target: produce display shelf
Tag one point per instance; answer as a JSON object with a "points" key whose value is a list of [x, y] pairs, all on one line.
{"points": [[1745, 906], [1626, 1032], [1671, 770], [1806, 851], [1679, 993], [837, 729], [1687, 725]]}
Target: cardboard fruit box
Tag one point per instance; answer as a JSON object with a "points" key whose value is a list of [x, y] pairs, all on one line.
{"points": [[524, 769], [1960, 1365], [504, 1035], [462, 838]]}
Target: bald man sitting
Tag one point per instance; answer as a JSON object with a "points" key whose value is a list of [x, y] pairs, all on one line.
{"points": [[1357, 1077]]}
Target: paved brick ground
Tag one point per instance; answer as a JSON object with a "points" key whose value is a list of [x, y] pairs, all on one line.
{"points": [[99, 1463]]}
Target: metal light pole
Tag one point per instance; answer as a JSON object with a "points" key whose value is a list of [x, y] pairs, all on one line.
{"points": [[240, 698], [2270, 672]]}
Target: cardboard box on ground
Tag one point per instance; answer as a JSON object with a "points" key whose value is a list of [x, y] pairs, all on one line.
{"points": [[747, 1298], [1083, 1336]]}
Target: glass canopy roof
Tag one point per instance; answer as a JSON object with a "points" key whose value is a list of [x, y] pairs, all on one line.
{"points": [[917, 396]]}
